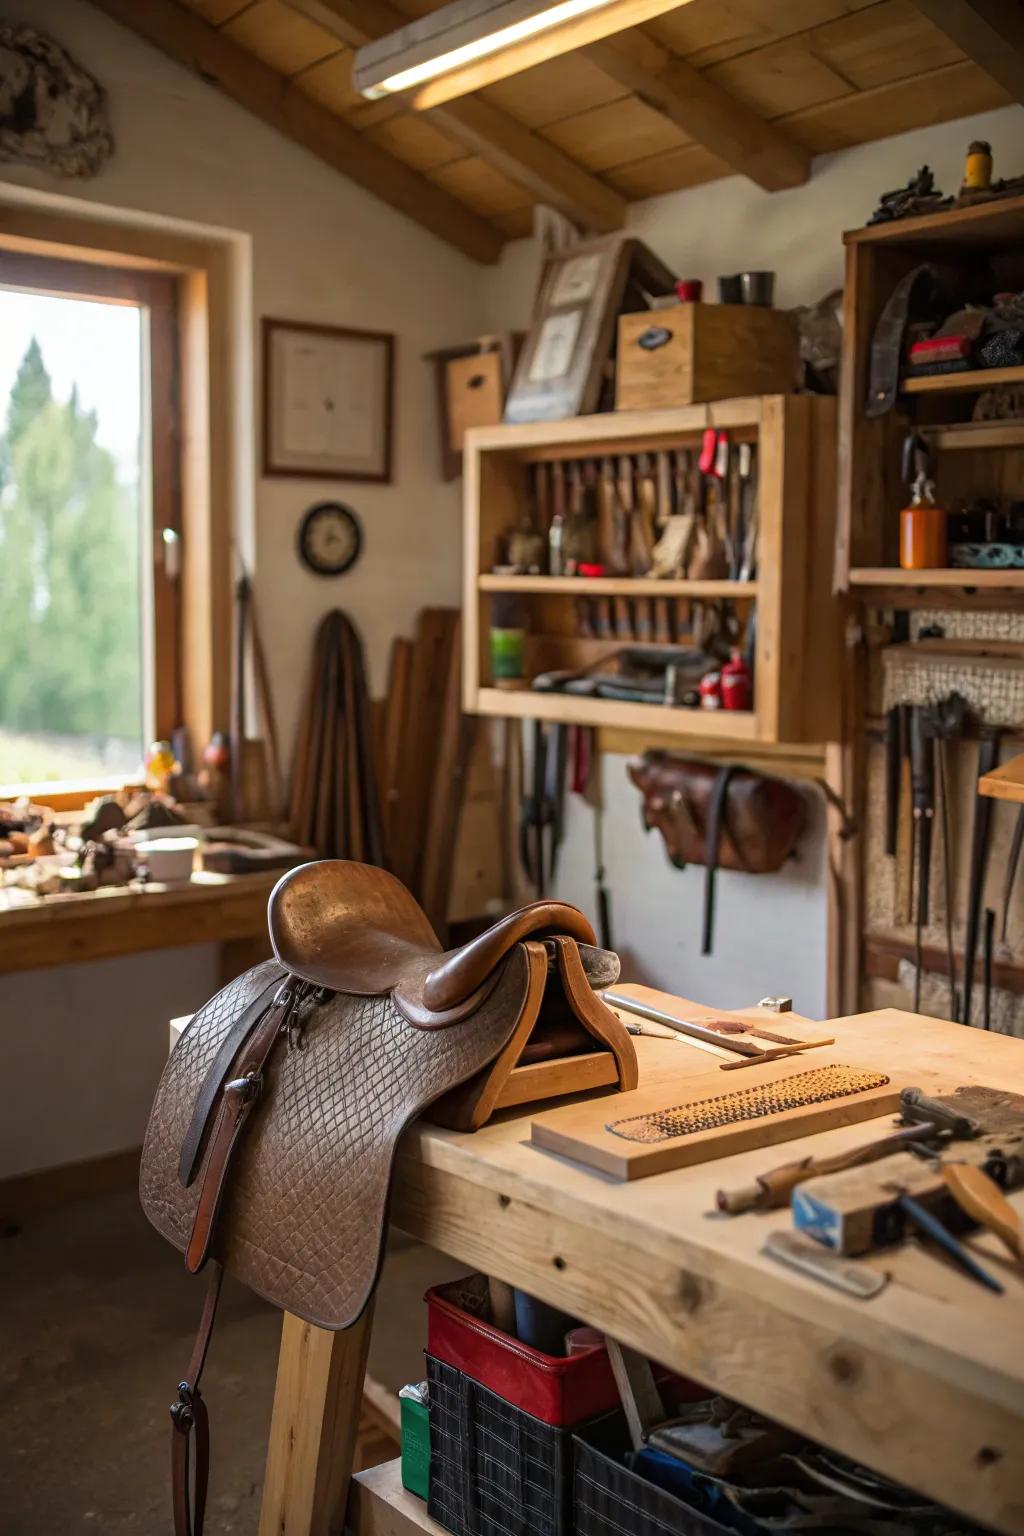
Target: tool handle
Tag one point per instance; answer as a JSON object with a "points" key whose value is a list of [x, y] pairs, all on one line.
{"points": [[932, 1227], [776, 1053], [893, 762], [709, 447], [922, 762], [982, 1199]]}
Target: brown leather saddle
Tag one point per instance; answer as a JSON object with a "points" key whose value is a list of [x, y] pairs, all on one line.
{"points": [[272, 1135]]}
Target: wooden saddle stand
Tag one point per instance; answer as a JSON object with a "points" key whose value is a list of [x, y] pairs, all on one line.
{"points": [[322, 1057]]}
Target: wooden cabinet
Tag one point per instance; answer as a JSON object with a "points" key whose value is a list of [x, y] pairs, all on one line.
{"points": [[797, 622], [981, 246]]}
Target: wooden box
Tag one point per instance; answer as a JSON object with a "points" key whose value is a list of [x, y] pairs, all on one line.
{"points": [[700, 352], [475, 395]]}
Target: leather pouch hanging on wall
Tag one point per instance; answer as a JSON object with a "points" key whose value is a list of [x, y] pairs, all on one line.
{"points": [[718, 816]]}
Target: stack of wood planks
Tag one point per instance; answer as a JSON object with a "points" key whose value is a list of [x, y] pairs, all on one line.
{"points": [[424, 746]]}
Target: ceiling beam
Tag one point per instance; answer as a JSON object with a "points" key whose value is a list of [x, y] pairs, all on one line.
{"points": [[733, 132], [193, 43], [991, 32], [548, 173], [543, 170], [614, 16]]}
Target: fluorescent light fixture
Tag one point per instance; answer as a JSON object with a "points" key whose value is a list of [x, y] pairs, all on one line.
{"points": [[454, 36]]}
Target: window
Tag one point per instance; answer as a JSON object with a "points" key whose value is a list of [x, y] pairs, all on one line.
{"points": [[89, 529]]}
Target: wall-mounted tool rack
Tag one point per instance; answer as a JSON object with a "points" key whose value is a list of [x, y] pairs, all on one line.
{"points": [[980, 458], [795, 697], [962, 623]]}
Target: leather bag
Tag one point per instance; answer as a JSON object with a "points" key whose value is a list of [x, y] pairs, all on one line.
{"points": [[721, 817], [271, 1139]]}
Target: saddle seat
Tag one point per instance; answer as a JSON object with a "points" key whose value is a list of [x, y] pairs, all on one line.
{"points": [[354, 928]]}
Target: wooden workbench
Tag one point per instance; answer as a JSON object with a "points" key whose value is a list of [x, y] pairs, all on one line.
{"points": [[924, 1383], [228, 910]]}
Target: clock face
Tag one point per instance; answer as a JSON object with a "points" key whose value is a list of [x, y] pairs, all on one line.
{"points": [[330, 538]]}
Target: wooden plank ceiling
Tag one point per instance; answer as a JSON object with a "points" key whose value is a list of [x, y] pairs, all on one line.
{"points": [[711, 88]]}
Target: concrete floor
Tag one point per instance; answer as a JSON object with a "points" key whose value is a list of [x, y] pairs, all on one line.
{"points": [[97, 1319]]}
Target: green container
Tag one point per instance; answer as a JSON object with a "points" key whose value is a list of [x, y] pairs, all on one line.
{"points": [[415, 1447], [507, 663]]}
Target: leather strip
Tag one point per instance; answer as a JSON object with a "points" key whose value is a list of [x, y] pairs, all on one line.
{"points": [[716, 821], [191, 1147], [189, 1416], [887, 344], [237, 1100]]}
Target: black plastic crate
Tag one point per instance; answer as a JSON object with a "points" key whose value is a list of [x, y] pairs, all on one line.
{"points": [[610, 1500], [494, 1470]]}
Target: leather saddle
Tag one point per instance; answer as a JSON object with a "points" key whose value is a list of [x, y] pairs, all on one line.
{"points": [[272, 1136]]}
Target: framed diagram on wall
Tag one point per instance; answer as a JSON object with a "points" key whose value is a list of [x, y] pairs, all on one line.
{"points": [[328, 401]]}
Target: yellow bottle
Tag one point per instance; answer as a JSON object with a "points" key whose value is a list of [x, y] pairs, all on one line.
{"points": [[978, 167]]}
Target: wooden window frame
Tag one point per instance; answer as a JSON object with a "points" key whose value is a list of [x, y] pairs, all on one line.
{"points": [[203, 469], [155, 293]]}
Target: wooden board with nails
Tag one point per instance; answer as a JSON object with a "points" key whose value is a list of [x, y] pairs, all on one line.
{"points": [[631, 1135]]}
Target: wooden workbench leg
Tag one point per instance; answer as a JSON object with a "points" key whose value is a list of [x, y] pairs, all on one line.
{"points": [[313, 1428]]}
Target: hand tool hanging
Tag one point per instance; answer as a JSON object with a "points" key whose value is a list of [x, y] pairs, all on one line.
{"points": [[748, 512], [710, 560], [248, 628], [585, 781], [948, 722], [1012, 864], [922, 799], [541, 822], [988, 758]]}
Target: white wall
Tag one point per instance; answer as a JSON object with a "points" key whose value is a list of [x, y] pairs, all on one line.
{"points": [[731, 225], [771, 929], [82, 1046]]}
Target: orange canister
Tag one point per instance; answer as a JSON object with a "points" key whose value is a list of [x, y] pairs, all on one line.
{"points": [[923, 540]]}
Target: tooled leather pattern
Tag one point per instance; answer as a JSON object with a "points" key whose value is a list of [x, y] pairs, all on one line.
{"points": [[304, 1213]]}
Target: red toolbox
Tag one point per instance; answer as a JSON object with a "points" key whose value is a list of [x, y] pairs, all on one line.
{"points": [[561, 1391]]}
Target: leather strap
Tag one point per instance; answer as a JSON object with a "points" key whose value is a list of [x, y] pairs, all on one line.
{"points": [[236, 1102], [188, 1416], [887, 344], [716, 821], [192, 1146]]}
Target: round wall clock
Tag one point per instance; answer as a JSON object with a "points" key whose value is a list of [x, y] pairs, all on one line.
{"points": [[330, 538]]}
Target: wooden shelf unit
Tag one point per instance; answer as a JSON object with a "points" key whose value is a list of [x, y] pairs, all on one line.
{"points": [[978, 459], [946, 577], [378, 1505], [1005, 783], [797, 640], [971, 380], [617, 586]]}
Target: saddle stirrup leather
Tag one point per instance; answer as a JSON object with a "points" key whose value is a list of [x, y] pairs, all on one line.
{"points": [[271, 1140], [189, 1416]]}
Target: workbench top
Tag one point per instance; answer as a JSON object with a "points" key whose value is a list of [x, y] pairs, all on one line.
{"points": [[125, 919], [924, 1382]]}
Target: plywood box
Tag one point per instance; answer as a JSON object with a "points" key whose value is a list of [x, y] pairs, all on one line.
{"points": [[699, 352], [475, 391]]}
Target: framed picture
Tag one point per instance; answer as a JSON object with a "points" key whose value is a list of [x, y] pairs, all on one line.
{"points": [[328, 401], [563, 365]]}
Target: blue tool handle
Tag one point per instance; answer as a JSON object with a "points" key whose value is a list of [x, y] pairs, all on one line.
{"points": [[933, 1228]]}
